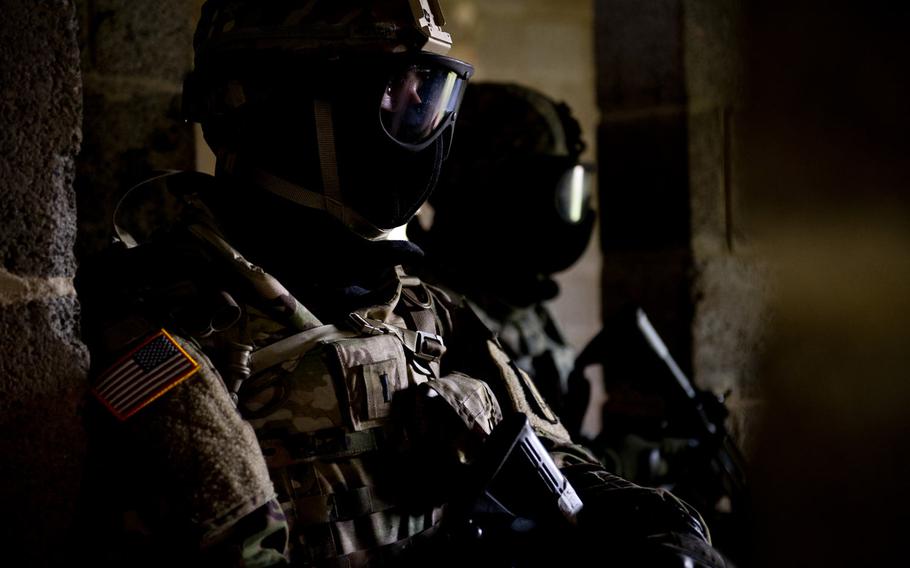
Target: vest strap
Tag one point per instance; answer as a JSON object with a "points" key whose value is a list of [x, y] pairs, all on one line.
{"points": [[295, 346]]}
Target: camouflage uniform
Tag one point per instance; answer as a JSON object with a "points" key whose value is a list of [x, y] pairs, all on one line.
{"points": [[533, 339], [318, 467], [316, 409]]}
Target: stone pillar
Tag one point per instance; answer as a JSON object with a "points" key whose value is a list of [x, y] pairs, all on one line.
{"points": [[731, 283], [134, 58], [673, 231], [42, 364], [644, 167]]}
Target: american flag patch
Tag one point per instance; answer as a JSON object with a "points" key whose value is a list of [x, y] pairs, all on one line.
{"points": [[156, 366]]}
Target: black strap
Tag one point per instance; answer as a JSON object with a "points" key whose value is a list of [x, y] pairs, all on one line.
{"points": [[419, 312]]}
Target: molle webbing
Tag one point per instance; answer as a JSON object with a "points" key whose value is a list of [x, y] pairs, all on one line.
{"points": [[371, 540], [323, 444], [344, 498], [338, 516], [336, 507]]}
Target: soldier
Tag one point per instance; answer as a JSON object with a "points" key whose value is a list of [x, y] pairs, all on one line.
{"points": [[518, 154], [320, 407]]}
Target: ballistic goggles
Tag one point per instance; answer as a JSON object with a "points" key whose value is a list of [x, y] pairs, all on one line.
{"points": [[421, 98], [573, 193], [533, 178]]}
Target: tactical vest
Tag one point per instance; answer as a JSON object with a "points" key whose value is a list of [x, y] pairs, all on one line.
{"points": [[359, 422], [321, 402]]}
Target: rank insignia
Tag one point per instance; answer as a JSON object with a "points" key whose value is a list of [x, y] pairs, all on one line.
{"points": [[154, 367]]}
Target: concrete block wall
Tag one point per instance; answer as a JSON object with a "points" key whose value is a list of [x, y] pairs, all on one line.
{"points": [[657, 87], [674, 233], [644, 167], [732, 284], [134, 58], [42, 364]]}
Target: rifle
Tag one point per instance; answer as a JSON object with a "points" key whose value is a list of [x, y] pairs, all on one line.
{"points": [[515, 500], [661, 430]]}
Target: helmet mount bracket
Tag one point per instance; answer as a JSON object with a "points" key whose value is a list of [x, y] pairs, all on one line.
{"points": [[430, 21]]}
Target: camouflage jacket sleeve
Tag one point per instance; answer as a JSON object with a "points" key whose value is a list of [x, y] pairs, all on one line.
{"points": [[629, 524], [182, 478]]}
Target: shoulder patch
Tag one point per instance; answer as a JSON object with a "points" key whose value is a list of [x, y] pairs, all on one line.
{"points": [[156, 366]]}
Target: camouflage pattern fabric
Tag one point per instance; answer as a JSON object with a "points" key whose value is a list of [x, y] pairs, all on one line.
{"points": [[258, 540], [533, 340], [231, 26], [314, 470], [327, 444]]}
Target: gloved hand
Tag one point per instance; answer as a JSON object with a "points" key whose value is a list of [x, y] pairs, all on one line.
{"points": [[627, 525]]}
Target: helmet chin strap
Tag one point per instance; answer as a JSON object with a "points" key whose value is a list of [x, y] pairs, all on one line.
{"points": [[315, 200], [328, 160]]}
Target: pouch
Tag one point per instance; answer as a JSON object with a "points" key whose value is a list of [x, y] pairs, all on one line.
{"points": [[368, 371]]}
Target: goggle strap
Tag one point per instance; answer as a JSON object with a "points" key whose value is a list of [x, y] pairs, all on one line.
{"points": [[449, 140], [328, 161]]}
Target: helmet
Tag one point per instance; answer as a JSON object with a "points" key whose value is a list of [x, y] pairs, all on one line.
{"points": [[345, 106], [515, 202]]}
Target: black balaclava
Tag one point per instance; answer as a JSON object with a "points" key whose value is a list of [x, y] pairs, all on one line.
{"points": [[315, 255], [275, 131], [328, 268]]}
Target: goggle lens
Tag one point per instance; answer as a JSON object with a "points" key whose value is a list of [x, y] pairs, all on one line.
{"points": [[418, 102], [573, 194]]}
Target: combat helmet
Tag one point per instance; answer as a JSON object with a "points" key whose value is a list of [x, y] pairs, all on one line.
{"points": [[344, 106], [516, 178]]}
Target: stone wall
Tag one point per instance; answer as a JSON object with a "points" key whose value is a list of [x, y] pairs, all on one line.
{"points": [[133, 55], [732, 284], [674, 236], [134, 58], [43, 364], [657, 87], [644, 167]]}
